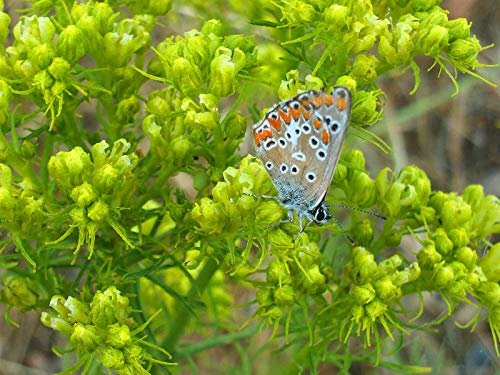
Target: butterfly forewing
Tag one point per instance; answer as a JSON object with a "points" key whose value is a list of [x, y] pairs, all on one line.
{"points": [[299, 143]]}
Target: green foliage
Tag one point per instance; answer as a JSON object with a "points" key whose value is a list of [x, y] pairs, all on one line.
{"points": [[153, 260]]}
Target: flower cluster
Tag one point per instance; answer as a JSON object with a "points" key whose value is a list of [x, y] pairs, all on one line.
{"points": [[372, 290], [44, 63], [98, 187], [397, 31], [101, 330], [22, 210], [294, 275], [183, 119], [232, 209]]}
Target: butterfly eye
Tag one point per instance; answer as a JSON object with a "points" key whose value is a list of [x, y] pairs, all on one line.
{"points": [[321, 154], [321, 215]]}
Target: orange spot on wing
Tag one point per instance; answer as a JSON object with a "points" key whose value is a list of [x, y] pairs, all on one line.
{"points": [[261, 136], [305, 113], [275, 123], [318, 100], [305, 102], [328, 99], [325, 137], [285, 116], [317, 123], [294, 112], [341, 104]]}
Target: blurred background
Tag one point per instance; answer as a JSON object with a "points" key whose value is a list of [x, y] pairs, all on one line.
{"points": [[455, 140]]}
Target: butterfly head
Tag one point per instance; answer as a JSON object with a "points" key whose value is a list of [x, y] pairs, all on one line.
{"points": [[321, 214]]}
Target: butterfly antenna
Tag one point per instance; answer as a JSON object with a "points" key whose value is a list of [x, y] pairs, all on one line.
{"points": [[359, 210], [348, 238]]}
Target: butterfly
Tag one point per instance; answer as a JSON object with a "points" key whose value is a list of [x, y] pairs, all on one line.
{"points": [[299, 142]]}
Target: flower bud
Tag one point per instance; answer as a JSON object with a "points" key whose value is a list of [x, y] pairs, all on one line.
{"points": [[118, 336], [464, 51], [222, 73], [19, 292], [455, 213], [443, 277], [284, 295], [364, 68], [86, 338], [57, 324], [187, 75], [98, 212], [386, 290], [300, 13], [212, 26], [83, 195], [71, 44], [103, 18], [208, 216], [490, 263], [127, 109], [33, 30], [77, 310], [363, 294], [336, 17], [59, 69], [42, 55], [375, 309], [428, 257], [4, 26], [268, 213], [458, 29], [109, 307], [366, 109], [313, 83], [5, 176], [443, 244], [423, 5], [347, 81], [70, 168], [433, 40], [8, 204], [459, 237], [111, 358], [106, 179], [467, 257]]}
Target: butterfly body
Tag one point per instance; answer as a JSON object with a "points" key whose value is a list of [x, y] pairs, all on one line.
{"points": [[299, 142]]}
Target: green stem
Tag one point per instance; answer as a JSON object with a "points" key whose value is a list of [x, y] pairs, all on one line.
{"points": [[183, 316]]}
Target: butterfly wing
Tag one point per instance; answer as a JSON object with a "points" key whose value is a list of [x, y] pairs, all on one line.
{"points": [[330, 122], [299, 142]]}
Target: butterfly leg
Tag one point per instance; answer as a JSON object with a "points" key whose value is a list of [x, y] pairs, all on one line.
{"points": [[290, 219], [302, 228], [261, 196]]}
